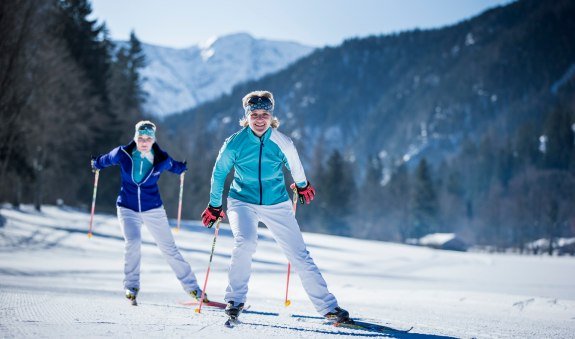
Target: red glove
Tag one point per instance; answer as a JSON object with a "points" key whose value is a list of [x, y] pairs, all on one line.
{"points": [[304, 193], [211, 214]]}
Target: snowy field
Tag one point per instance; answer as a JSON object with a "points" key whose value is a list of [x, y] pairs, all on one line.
{"points": [[56, 282]]}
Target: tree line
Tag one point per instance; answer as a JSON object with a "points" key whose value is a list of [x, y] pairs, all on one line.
{"points": [[66, 92], [498, 192]]}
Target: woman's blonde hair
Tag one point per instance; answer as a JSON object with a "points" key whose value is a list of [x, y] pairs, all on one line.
{"points": [[264, 94]]}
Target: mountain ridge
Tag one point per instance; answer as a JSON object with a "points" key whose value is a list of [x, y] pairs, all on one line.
{"points": [[459, 129], [176, 79], [450, 83]]}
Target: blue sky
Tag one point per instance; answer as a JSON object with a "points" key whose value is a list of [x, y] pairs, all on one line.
{"points": [[182, 23]]}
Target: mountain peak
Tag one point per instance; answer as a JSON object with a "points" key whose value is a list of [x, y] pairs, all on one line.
{"points": [[179, 79], [240, 37]]}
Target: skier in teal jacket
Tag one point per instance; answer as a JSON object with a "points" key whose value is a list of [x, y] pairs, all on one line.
{"points": [[258, 153]]}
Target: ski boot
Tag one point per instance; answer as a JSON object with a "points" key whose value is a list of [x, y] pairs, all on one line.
{"points": [[131, 294], [197, 294], [339, 316], [233, 311]]}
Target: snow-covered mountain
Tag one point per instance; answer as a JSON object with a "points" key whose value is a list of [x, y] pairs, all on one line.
{"points": [[178, 79]]}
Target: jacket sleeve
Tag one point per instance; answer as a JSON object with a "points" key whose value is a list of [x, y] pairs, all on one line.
{"points": [[291, 158], [222, 167], [109, 159], [295, 166], [177, 167]]}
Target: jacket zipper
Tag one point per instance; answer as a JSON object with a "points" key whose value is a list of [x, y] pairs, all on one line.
{"points": [[134, 181], [260, 170], [139, 200]]}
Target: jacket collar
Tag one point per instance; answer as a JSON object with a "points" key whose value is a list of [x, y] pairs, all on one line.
{"points": [[159, 154], [263, 138]]}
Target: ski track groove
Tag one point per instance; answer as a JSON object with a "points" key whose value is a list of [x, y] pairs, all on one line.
{"points": [[52, 315]]}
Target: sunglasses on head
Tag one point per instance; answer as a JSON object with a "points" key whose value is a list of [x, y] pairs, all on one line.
{"points": [[255, 100], [264, 103], [146, 126]]}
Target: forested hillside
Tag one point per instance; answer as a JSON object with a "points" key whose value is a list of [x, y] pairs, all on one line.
{"points": [[65, 94], [466, 128]]}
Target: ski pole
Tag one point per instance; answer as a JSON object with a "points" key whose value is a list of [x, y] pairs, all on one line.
{"points": [[180, 201], [199, 309], [96, 176], [287, 302]]}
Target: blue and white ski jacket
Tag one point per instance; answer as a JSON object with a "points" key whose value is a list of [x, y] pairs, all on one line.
{"points": [[258, 162], [143, 196]]}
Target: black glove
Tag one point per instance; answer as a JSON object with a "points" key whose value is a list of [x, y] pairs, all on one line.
{"points": [[211, 214]]}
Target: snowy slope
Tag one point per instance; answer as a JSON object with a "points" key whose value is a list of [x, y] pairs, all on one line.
{"points": [[178, 79], [55, 282]]}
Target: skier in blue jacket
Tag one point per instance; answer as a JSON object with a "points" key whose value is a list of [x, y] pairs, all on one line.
{"points": [[258, 153], [139, 202]]}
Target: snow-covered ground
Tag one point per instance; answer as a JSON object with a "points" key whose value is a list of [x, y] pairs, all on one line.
{"points": [[56, 282]]}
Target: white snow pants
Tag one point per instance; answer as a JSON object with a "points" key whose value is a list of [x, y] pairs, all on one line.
{"points": [[280, 220], [157, 223]]}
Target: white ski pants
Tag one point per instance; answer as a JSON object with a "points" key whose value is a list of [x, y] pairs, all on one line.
{"points": [[280, 220], [157, 223]]}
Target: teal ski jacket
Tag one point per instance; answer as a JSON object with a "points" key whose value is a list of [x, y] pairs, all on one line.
{"points": [[258, 163]]}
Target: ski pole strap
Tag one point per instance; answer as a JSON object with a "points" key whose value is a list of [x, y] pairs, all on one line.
{"points": [[295, 199]]}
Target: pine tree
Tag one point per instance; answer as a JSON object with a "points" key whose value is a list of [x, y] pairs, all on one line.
{"points": [[15, 30], [90, 47], [526, 145], [137, 61], [335, 193], [126, 93], [310, 219], [87, 44], [506, 164], [425, 203], [560, 139], [485, 169], [400, 188], [370, 198]]}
